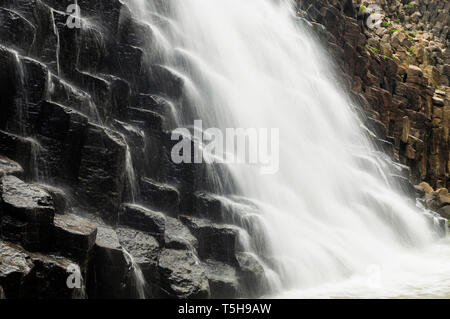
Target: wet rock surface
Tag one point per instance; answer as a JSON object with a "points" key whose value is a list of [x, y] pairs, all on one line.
{"points": [[33, 275], [178, 236], [74, 236], [182, 275], [397, 71], [27, 213], [108, 267], [83, 133], [215, 241], [9, 167], [223, 280], [82, 136], [143, 219]]}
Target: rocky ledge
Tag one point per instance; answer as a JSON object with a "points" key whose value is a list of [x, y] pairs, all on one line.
{"points": [[90, 204]]}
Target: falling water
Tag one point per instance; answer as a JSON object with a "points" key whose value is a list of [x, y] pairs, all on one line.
{"points": [[36, 151], [58, 42], [137, 277], [130, 174], [330, 226]]}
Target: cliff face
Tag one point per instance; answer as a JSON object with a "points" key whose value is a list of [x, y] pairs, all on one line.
{"points": [[399, 71], [87, 109]]}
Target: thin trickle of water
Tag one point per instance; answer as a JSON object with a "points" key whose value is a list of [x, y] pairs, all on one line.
{"points": [[326, 218], [36, 151], [138, 280], [58, 42], [131, 175]]}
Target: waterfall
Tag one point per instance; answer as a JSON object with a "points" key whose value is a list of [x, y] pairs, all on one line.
{"points": [[330, 225]]}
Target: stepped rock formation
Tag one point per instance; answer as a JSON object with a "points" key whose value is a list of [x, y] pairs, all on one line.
{"points": [[86, 180], [85, 111], [398, 71]]}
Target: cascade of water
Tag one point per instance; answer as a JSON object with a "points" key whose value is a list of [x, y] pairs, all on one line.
{"points": [[326, 220]]}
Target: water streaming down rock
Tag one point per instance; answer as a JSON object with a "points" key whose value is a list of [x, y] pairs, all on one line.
{"points": [[326, 219], [137, 279]]}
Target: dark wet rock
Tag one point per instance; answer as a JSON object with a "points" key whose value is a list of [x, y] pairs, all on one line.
{"points": [[101, 176], [144, 249], [162, 80], [155, 103], [208, 206], [62, 131], [9, 167], [143, 219], [377, 127], [215, 241], [385, 146], [36, 88], [10, 89], [135, 33], [98, 88], [251, 275], [149, 120], [50, 276], [404, 185], [120, 96], [18, 149], [74, 236], [137, 143], [128, 59], [30, 213], [45, 41], [109, 267], [182, 275], [16, 31], [60, 198], [33, 275], [178, 236], [66, 94], [159, 196], [15, 266], [223, 280], [444, 212]]}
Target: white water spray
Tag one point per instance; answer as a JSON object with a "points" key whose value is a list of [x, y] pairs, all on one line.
{"points": [[328, 222]]}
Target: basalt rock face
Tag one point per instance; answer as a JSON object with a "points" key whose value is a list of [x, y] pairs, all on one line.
{"points": [[397, 69], [88, 192]]}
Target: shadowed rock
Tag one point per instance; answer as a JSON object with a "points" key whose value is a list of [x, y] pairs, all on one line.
{"points": [[18, 149], [143, 219], [101, 176], [30, 213], [178, 236], [60, 200], [144, 249], [109, 267], [9, 167], [251, 275], [160, 197], [33, 275], [223, 280], [15, 266], [182, 275], [445, 212], [215, 241], [16, 31], [74, 236]]}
